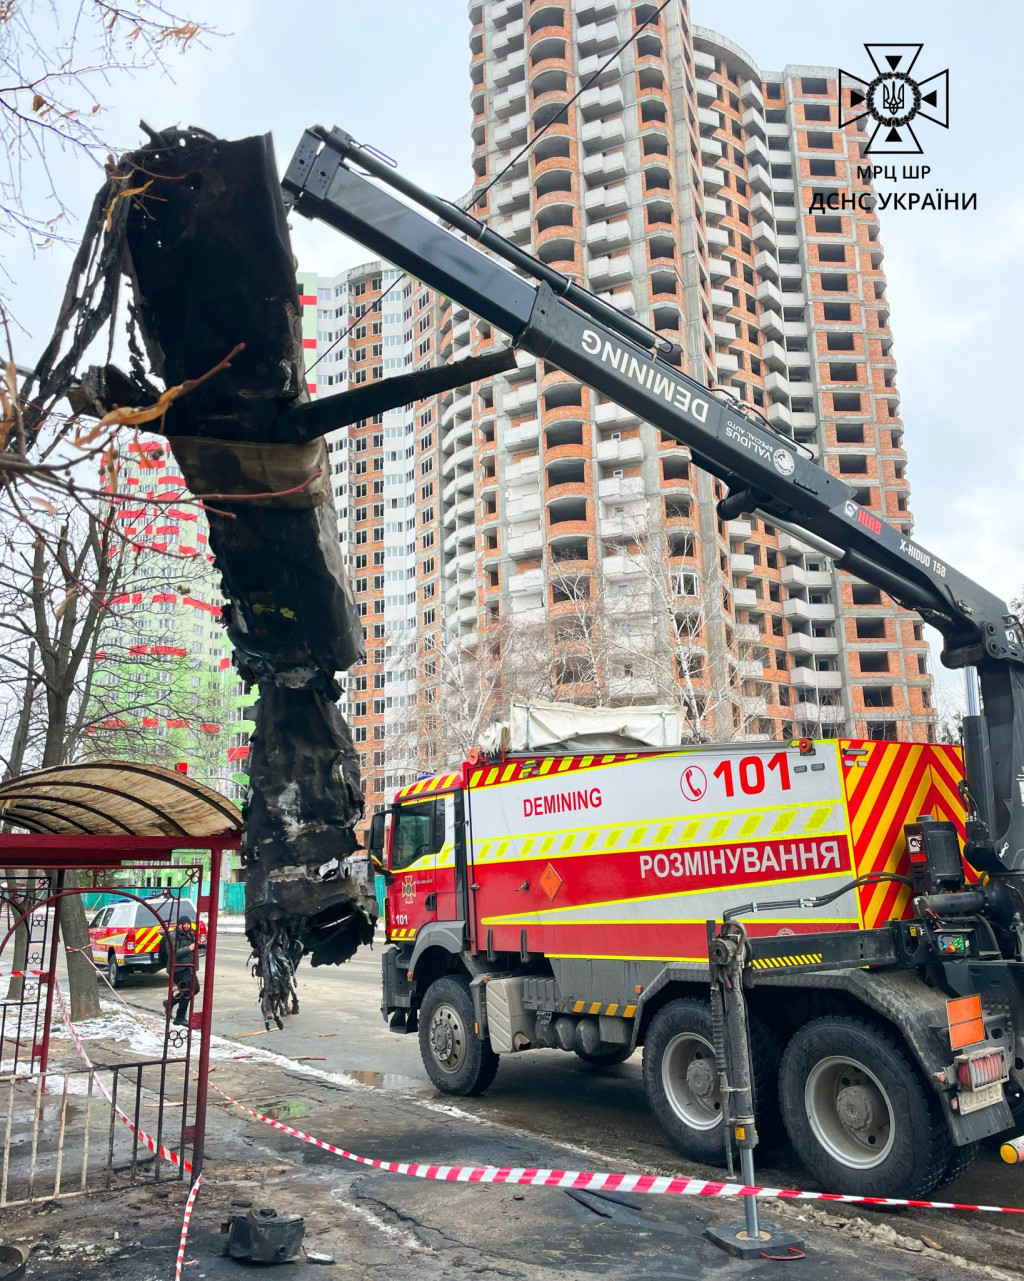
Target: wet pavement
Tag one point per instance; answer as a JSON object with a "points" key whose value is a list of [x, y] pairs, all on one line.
{"points": [[599, 1115]]}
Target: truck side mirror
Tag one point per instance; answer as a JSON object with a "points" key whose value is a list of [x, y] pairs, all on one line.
{"points": [[376, 839]]}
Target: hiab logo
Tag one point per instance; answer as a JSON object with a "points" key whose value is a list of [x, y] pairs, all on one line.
{"points": [[893, 98]]}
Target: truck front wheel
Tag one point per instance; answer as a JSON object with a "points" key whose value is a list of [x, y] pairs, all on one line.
{"points": [[456, 1059], [681, 1080], [858, 1113]]}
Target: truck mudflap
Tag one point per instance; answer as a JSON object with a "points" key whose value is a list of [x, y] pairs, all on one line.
{"points": [[919, 1014], [396, 995]]}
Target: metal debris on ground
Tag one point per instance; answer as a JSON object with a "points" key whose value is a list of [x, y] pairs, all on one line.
{"points": [[264, 1236]]}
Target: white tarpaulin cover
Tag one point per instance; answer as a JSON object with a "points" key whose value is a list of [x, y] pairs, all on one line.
{"points": [[535, 726]]}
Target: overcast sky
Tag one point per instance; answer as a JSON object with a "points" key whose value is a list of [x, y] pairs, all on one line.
{"points": [[394, 73]]}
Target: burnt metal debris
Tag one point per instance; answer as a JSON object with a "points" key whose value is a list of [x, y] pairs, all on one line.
{"points": [[198, 226]]}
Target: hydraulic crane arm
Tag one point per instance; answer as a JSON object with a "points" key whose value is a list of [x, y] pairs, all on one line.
{"points": [[585, 337]]}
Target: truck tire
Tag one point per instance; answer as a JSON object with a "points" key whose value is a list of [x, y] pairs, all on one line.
{"points": [[114, 974], [456, 1059], [859, 1114], [606, 1058], [681, 1080]]}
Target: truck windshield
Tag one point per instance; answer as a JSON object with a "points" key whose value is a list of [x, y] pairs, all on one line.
{"points": [[412, 836]]}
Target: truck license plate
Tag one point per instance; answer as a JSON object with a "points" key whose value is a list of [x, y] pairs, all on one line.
{"points": [[975, 1100]]}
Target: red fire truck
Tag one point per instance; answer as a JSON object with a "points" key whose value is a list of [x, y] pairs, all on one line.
{"points": [[559, 900]]}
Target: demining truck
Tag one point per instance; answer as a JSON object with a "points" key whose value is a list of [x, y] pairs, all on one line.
{"points": [[558, 898]]}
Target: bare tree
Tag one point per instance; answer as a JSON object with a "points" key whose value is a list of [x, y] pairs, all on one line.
{"points": [[635, 633], [70, 577]]}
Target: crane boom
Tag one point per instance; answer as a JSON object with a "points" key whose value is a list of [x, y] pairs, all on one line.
{"points": [[587, 338]]}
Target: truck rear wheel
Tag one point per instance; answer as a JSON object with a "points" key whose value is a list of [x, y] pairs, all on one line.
{"points": [[457, 1060], [114, 975], [858, 1113], [681, 1080]]}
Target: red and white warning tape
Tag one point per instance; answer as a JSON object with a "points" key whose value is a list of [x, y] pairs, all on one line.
{"points": [[184, 1228], [24, 974], [662, 1185], [161, 1149]]}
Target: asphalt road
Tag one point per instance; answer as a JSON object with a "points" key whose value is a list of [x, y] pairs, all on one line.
{"points": [[544, 1093]]}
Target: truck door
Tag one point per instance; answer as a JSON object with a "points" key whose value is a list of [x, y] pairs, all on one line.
{"points": [[416, 839]]}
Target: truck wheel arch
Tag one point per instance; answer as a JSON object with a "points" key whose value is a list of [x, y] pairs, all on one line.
{"points": [[448, 936]]}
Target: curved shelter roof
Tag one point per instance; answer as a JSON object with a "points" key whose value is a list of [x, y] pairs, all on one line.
{"points": [[116, 798]]}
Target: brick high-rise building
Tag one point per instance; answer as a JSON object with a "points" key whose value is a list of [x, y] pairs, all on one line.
{"points": [[678, 186]]}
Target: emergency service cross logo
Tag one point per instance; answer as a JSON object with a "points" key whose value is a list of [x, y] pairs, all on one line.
{"points": [[893, 99]]}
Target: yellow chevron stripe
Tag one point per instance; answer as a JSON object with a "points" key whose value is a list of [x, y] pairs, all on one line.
{"points": [[629, 1011], [578, 1007]]}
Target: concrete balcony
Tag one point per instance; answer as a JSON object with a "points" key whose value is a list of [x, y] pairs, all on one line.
{"points": [[824, 715], [791, 271], [508, 38], [610, 414], [599, 65], [724, 330], [636, 688], [738, 530], [524, 436], [777, 385], [522, 506], [753, 706], [775, 356], [726, 363], [510, 196], [621, 566], [718, 238], [799, 359], [778, 414], [721, 300], [750, 669], [707, 90], [595, 103], [509, 70], [530, 580], [602, 169], [712, 178], [804, 421], [750, 93], [629, 450], [744, 598], [766, 265], [752, 121], [760, 178], [795, 329], [769, 296], [525, 472], [708, 120], [603, 273], [520, 400], [804, 644], [761, 207], [509, 102], [816, 680], [756, 151], [603, 135], [466, 562], [711, 150], [628, 525], [788, 543], [597, 37], [512, 133], [772, 325], [525, 545], [812, 579], [623, 300], [620, 489], [604, 236], [748, 634], [719, 268], [803, 611], [714, 210], [603, 202], [741, 563]]}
